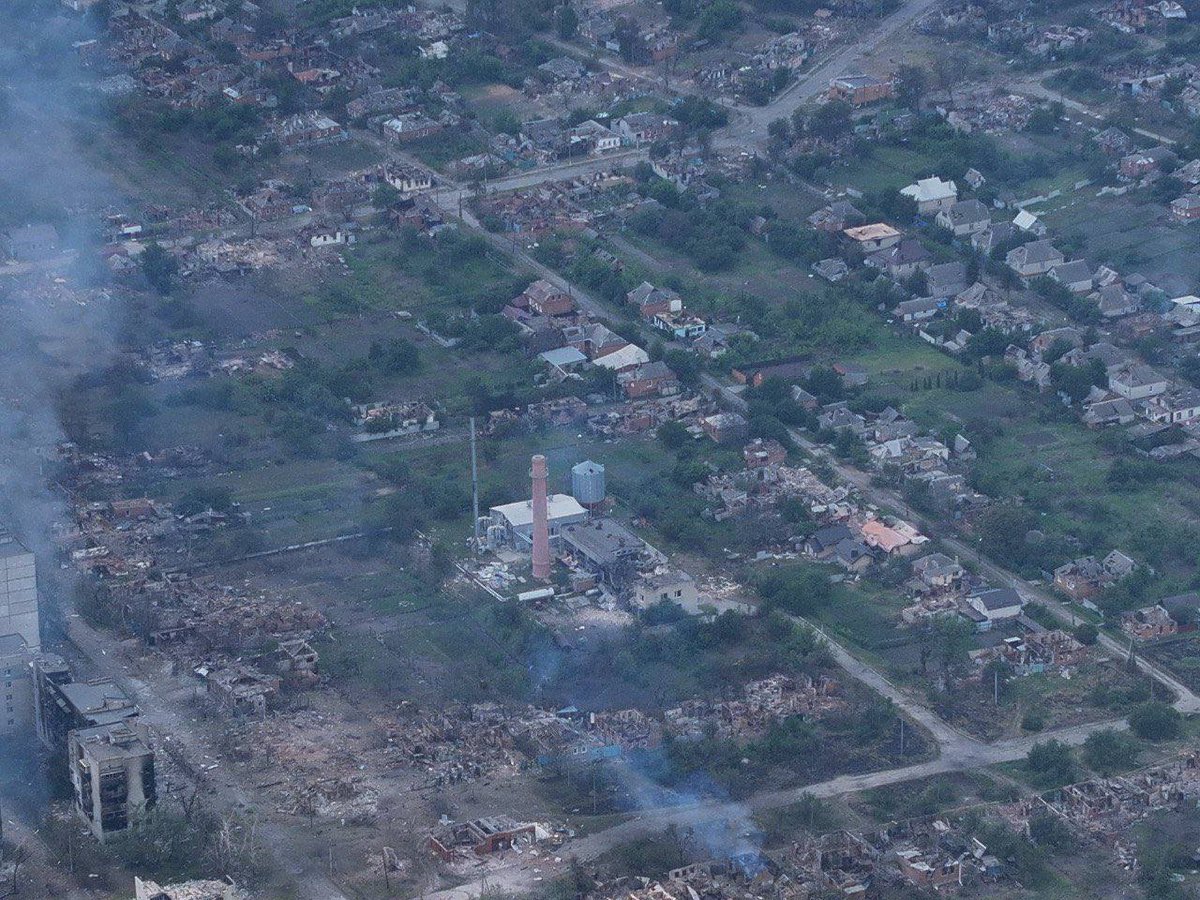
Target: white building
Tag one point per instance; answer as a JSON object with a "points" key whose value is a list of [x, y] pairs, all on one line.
{"points": [[932, 194], [996, 604], [18, 592], [512, 523]]}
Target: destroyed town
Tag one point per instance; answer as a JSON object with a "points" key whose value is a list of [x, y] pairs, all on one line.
{"points": [[599, 449]]}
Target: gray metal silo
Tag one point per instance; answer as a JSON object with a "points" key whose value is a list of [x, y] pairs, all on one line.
{"points": [[587, 484]]}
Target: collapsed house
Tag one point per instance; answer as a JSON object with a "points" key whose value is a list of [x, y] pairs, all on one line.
{"points": [[763, 703], [1105, 810], [241, 689], [483, 837], [387, 420], [1035, 653]]}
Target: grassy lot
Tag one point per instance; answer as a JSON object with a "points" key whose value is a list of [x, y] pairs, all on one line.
{"points": [[297, 501], [884, 169], [929, 796], [488, 101], [758, 271], [336, 159], [790, 204], [895, 359], [1061, 469], [413, 277], [458, 644], [440, 149]]}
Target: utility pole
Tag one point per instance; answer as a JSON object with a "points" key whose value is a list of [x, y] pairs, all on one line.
{"points": [[474, 489], [902, 735], [996, 686]]}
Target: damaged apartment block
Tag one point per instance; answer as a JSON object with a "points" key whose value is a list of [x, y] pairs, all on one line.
{"points": [[109, 753], [113, 776]]}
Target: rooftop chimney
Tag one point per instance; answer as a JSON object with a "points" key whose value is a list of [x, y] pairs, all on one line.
{"points": [[541, 528]]}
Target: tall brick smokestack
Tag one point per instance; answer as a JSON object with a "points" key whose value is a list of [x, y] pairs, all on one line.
{"points": [[541, 529]]}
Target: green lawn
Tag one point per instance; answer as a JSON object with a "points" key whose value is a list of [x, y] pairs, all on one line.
{"points": [[886, 168]]}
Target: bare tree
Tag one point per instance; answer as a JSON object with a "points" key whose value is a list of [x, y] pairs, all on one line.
{"points": [[16, 858]]}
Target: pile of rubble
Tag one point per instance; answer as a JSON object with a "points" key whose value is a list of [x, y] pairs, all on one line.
{"points": [[640, 416], [937, 854], [318, 767], [347, 799], [456, 744], [763, 703], [733, 493], [984, 110], [1106, 809]]}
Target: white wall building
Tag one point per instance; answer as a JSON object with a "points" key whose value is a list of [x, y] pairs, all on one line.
{"points": [[18, 592]]}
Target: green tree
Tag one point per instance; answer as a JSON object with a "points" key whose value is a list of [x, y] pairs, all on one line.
{"points": [[1033, 720], [1049, 831], [395, 357], [1155, 721], [1110, 751], [831, 121], [566, 22], [779, 129], [384, 196], [159, 267], [1051, 762], [1087, 633], [672, 434], [911, 82], [719, 20], [1002, 530]]}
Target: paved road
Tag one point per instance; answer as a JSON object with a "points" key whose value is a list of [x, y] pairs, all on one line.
{"points": [[748, 124], [1186, 700], [1033, 87], [749, 127]]}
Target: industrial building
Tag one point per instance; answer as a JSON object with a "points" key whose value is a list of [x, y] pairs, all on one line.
{"points": [[112, 772], [18, 592], [610, 550], [512, 523]]}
